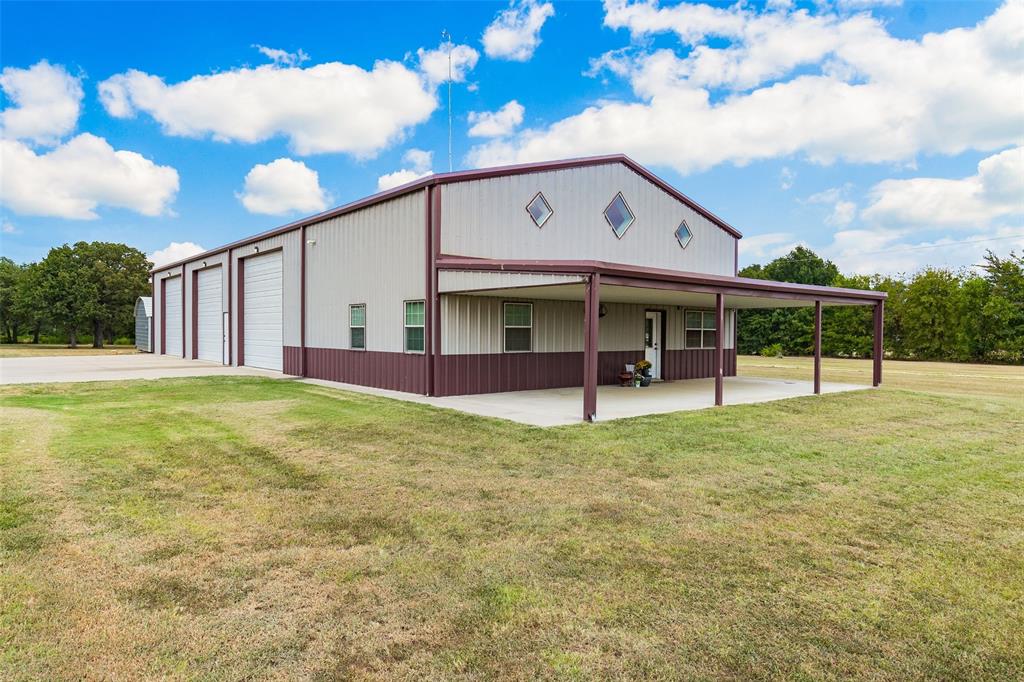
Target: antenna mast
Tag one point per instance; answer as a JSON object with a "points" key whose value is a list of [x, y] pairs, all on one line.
{"points": [[448, 37]]}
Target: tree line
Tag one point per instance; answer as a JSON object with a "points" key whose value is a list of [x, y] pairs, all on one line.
{"points": [[935, 314], [82, 292]]}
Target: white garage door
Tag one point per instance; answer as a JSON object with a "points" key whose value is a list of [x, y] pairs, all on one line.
{"points": [[172, 316], [208, 315], [262, 311]]}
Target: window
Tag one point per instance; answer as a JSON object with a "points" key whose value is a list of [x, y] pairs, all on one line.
{"points": [[700, 329], [415, 313], [539, 210], [619, 216], [683, 234], [357, 326], [518, 327]]}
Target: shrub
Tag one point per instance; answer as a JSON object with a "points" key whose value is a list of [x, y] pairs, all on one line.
{"points": [[772, 351]]}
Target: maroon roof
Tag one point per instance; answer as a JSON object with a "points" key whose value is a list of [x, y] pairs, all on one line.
{"points": [[462, 176], [640, 274]]}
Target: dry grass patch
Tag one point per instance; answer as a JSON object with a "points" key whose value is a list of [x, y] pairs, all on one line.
{"points": [[989, 381], [36, 350], [238, 527]]}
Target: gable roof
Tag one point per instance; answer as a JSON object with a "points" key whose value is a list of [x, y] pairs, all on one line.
{"points": [[437, 179]]}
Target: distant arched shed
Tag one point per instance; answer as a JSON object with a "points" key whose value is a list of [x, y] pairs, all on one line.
{"points": [[144, 324]]}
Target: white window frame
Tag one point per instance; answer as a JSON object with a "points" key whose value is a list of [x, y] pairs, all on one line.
{"points": [[351, 307], [505, 326], [702, 329], [406, 326]]}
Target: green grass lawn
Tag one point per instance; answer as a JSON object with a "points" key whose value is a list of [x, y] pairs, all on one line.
{"points": [[236, 528]]}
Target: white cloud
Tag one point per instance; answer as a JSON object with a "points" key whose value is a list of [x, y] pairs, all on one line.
{"points": [[283, 57], [867, 4], [419, 164], [496, 123], [767, 246], [821, 87], [85, 172], [434, 63], [843, 210], [7, 227], [996, 190], [46, 102], [867, 252], [786, 177], [174, 252], [283, 186], [515, 32], [331, 107]]}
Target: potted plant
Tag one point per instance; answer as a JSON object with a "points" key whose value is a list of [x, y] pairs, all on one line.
{"points": [[643, 372]]}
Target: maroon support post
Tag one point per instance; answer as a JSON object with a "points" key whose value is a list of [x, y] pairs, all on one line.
{"points": [[817, 347], [719, 350], [877, 351], [590, 334]]}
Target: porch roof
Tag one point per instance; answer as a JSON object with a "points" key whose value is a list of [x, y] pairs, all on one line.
{"points": [[620, 283]]}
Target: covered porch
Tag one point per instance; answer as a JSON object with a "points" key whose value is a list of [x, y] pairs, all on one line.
{"points": [[594, 284]]}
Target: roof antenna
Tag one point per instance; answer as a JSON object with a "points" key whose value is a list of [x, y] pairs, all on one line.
{"points": [[448, 38]]}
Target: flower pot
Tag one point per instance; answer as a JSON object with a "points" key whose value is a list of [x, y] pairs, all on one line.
{"points": [[647, 372], [645, 380]]}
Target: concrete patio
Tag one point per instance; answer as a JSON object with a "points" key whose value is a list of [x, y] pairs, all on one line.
{"points": [[560, 406], [68, 368]]}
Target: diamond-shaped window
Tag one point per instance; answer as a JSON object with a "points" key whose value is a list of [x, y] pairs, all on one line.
{"points": [[683, 234], [619, 216], [539, 210]]}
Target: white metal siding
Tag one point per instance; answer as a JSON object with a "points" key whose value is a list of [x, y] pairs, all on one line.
{"points": [[172, 335], [376, 256], [474, 324], [263, 312], [209, 293], [455, 280], [488, 219]]}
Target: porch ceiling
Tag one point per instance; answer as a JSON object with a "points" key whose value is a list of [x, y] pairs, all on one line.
{"points": [[658, 297]]}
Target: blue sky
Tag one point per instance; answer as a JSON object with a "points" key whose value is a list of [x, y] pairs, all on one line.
{"points": [[855, 127]]}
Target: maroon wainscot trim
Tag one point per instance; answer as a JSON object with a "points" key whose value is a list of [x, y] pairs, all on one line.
{"points": [[500, 372], [394, 371]]}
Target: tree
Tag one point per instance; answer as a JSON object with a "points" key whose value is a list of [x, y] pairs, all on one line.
{"points": [[30, 302], [931, 316], [792, 328], [119, 274], [11, 275], [68, 290], [1004, 308], [847, 331]]}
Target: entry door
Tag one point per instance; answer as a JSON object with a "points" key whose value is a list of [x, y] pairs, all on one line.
{"points": [[652, 342], [262, 312], [209, 297]]}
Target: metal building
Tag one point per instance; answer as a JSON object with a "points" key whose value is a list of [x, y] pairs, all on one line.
{"points": [[144, 324], [523, 277]]}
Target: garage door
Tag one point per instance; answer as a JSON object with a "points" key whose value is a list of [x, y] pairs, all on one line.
{"points": [[262, 311], [172, 316], [208, 315]]}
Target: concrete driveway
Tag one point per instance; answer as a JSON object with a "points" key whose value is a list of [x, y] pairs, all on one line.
{"points": [[114, 368]]}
